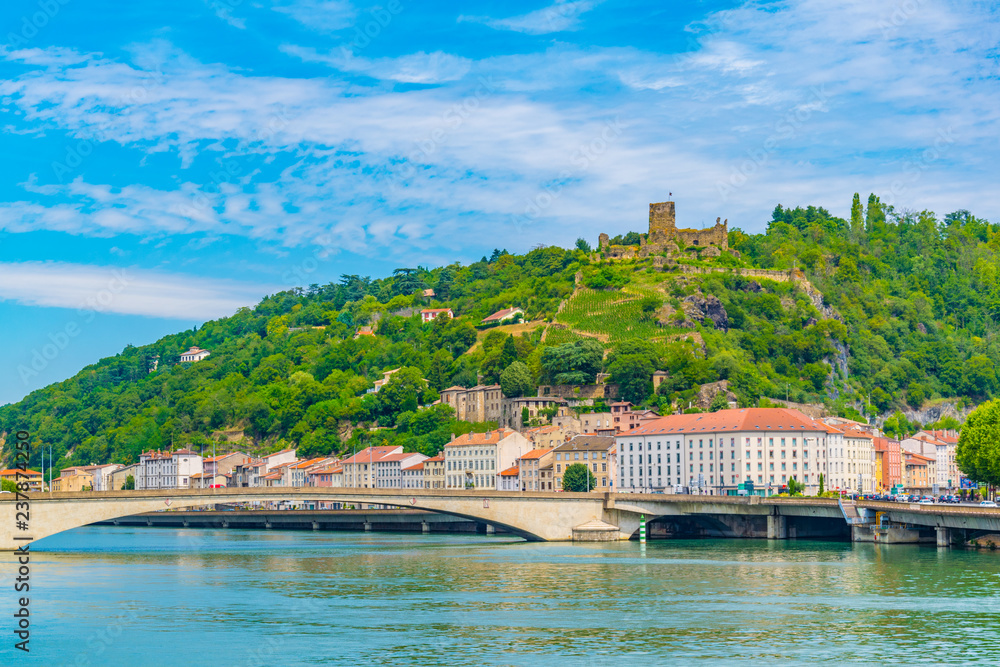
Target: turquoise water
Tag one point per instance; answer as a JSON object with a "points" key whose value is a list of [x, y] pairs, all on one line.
{"points": [[148, 596]]}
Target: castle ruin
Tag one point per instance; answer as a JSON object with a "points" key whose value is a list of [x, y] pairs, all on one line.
{"points": [[665, 238]]}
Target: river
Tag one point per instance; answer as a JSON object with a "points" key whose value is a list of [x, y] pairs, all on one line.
{"points": [[148, 596]]}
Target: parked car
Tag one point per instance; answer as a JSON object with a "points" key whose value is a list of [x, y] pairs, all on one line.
{"points": [[987, 503], [926, 501]]}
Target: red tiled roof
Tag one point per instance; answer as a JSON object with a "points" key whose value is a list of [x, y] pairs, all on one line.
{"points": [[11, 472], [536, 454], [370, 454], [500, 314], [398, 457], [728, 421], [419, 466], [435, 310], [511, 472], [439, 457], [489, 438]]}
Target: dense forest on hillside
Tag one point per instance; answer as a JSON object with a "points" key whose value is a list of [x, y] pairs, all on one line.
{"points": [[907, 315]]}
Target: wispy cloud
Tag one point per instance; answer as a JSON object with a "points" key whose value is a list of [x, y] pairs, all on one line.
{"points": [[123, 290], [561, 16], [370, 166], [421, 67], [319, 15]]}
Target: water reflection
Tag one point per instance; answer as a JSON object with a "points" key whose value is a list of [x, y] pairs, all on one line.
{"points": [[222, 597]]}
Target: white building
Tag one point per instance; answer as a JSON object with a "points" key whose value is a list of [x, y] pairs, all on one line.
{"points": [[389, 468], [475, 460], [858, 463], [714, 452], [276, 459], [359, 470], [510, 479], [103, 476], [413, 476], [167, 470], [194, 354]]}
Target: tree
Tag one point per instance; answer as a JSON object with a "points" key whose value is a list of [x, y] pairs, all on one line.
{"points": [[857, 216], [578, 478], [978, 452], [649, 305], [129, 484], [525, 416], [581, 244], [748, 387], [516, 380], [8, 485], [508, 354], [402, 392], [634, 375], [794, 488], [573, 363], [822, 485], [720, 402]]}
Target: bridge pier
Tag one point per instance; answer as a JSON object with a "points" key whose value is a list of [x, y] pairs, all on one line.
{"points": [[368, 526], [315, 525], [943, 536], [490, 530], [777, 527], [425, 527]]}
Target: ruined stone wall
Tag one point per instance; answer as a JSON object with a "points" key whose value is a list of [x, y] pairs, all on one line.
{"points": [[717, 236]]}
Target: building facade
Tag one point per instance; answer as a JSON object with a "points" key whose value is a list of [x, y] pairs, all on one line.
{"points": [[475, 460], [434, 472], [481, 403], [714, 452], [590, 450], [530, 466]]}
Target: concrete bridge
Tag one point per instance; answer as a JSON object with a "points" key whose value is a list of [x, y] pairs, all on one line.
{"points": [[535, 516]]}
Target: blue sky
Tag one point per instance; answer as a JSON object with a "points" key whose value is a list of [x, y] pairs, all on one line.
{"points": [[168, 162]]}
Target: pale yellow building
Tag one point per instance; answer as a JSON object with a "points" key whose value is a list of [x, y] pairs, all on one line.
{"points": [[434, 472], [32, 477], [76, 478]]}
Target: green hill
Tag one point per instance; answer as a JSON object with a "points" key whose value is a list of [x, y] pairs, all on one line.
{"points": [[900, 307]]}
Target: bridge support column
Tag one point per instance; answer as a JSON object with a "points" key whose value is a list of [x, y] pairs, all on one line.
{"points": [[777, 528], [425, 527], [490, 530], [943, 536], [186, 524], [315, 525], [267, 525], [368, 526]]}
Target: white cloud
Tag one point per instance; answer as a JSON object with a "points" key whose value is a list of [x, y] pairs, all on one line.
{"points": [[561, 16], [776, 104], [421, 67], [319, 15], [123, 290]]}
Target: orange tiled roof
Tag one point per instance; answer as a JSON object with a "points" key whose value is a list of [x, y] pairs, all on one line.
{"points": [[726, 421], [511, 472], [489, 438], [536, 454], [13, 472]]}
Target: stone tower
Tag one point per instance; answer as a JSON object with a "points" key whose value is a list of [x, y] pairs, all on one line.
{"points": [[662, 221]]}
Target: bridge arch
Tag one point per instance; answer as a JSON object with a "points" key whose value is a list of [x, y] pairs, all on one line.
{"points": [[533, 516]]}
